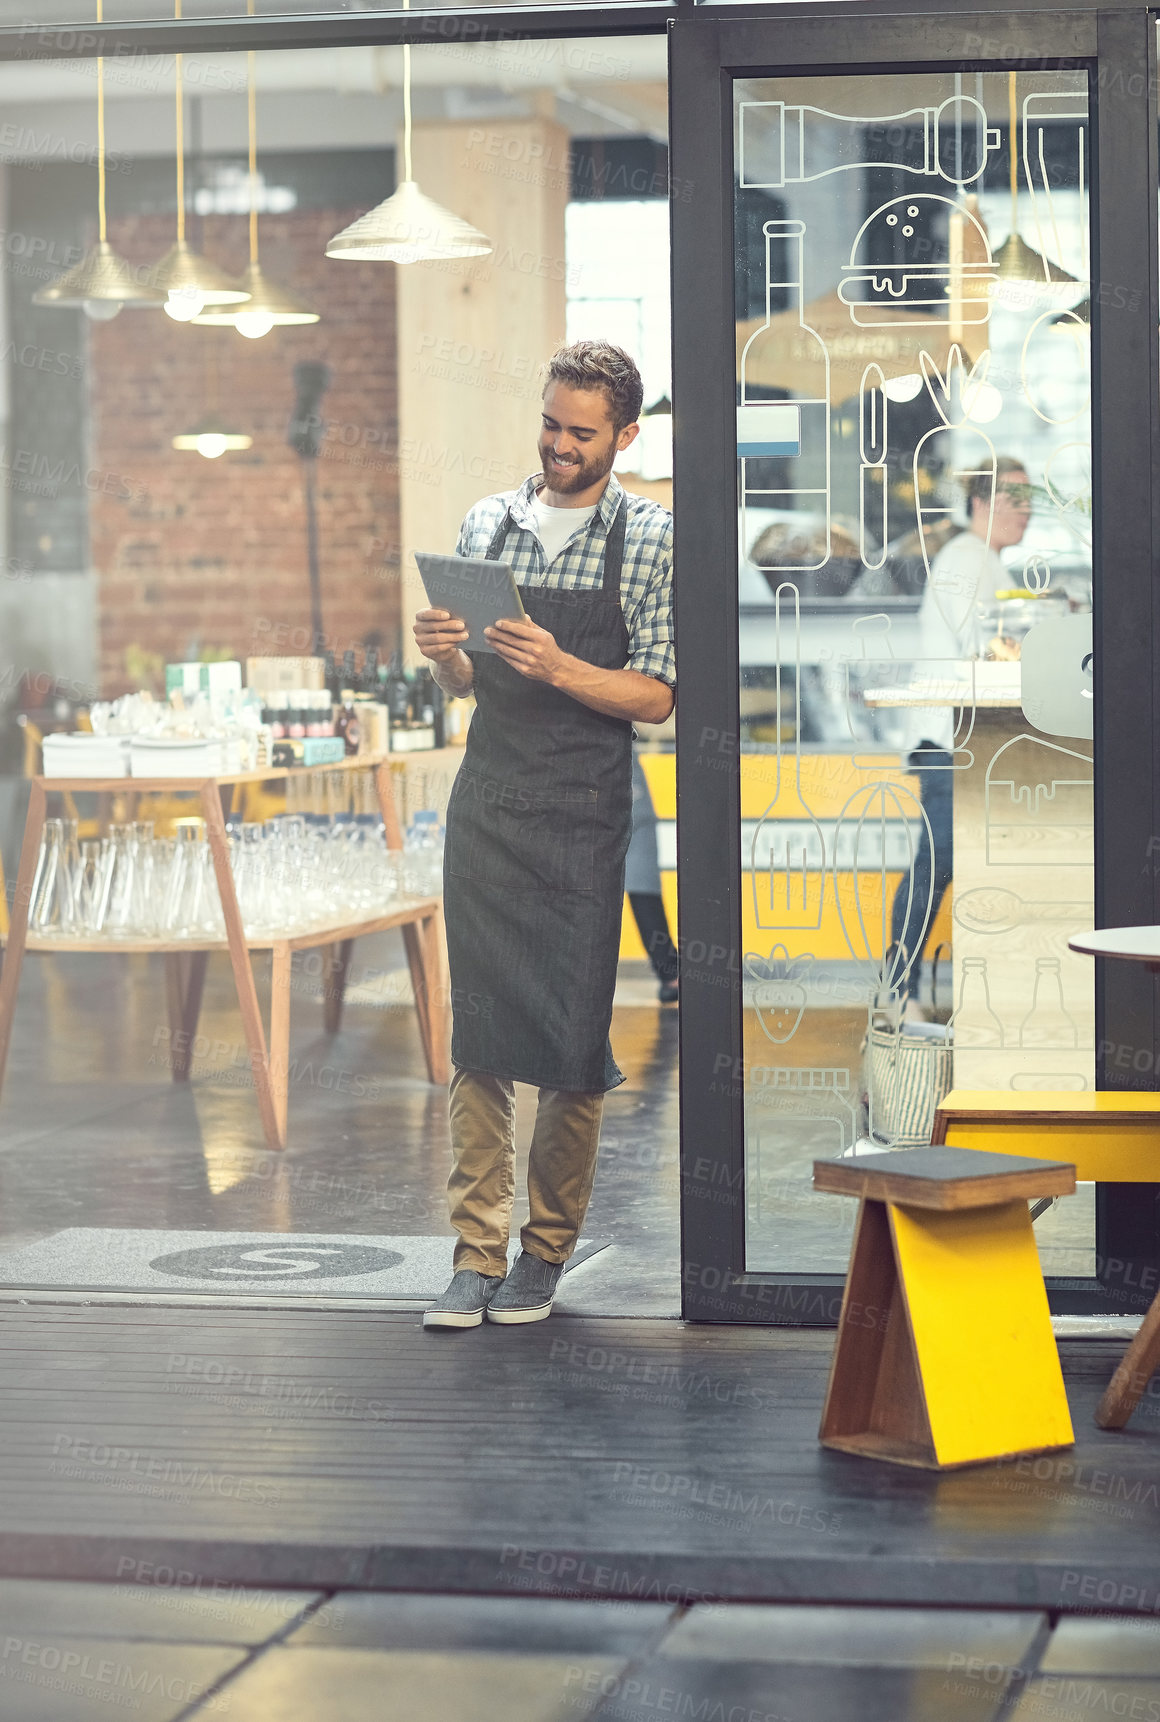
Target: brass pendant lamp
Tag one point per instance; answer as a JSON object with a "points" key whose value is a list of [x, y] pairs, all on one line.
{"points": [[1016, 261], [188, 280], [211, 436], [102, 282], [270, 306], [408, 227]]}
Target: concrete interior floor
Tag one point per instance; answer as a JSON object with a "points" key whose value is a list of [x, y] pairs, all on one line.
{"points": [[95, 1134]]}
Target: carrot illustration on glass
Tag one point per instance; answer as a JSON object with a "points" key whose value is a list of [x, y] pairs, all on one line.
{"points": [[952, 394]]}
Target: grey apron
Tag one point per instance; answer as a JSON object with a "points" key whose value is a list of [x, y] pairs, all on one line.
{"points": [[538, 826]]}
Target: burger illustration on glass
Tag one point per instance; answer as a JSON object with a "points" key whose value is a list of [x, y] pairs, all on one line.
{"points": [[913, 281]]}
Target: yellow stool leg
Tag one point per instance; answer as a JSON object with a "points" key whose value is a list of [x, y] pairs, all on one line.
{"points": [[978, 1313]]}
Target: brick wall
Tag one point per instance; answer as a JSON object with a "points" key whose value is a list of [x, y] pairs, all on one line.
{"points": [[213, 553]]}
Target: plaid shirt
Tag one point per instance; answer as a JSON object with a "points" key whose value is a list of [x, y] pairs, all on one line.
{"points": [[646, 580]]}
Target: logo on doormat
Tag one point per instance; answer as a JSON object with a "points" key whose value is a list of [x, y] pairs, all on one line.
{"points": [[289, 1261]]}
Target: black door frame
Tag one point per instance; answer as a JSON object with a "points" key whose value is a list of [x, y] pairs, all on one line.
{"points": [[709, 50]]}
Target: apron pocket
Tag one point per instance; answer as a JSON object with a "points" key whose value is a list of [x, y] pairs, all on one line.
{"points": [[515, 838]]}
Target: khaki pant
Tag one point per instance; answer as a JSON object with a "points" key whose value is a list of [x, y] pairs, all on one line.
{"points": [[481, 1189]]}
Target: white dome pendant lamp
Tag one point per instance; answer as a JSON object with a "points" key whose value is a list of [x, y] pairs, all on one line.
{"points": [[408, 227]]}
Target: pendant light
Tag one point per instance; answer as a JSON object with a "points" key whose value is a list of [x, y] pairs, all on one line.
{"points": [[211, 436], [101, 283], [189, 280], [1019, 266], [269, 305], [408, 227]]}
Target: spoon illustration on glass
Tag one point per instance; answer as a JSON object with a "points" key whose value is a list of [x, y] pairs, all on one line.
{"points": [[994, 909]]}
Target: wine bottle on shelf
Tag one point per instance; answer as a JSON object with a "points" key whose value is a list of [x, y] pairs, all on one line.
{"points": [[330, 676], [398, 692], [349, 679], [369, 681]]}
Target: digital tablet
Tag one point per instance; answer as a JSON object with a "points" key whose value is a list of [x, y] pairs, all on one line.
{"points": [[473, 589]]}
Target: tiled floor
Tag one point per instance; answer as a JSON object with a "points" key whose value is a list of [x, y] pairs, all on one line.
{"points": [[173, 1652]]}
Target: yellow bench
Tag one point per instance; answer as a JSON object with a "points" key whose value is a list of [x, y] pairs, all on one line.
{"points": [[1111, 1138]]}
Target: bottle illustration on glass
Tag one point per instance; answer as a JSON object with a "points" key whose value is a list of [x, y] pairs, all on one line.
{"points": [[794, 430], [1047, 1023], [973, 1023]]}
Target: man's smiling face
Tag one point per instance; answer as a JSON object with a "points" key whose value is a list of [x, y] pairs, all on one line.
{"points": [[578, 440]]}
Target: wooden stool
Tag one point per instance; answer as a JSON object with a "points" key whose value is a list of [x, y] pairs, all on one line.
{"points": [[1134, 1372], [945, 1354]]}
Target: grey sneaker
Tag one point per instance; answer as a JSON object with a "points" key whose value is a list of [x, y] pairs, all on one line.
{"points": [[464, 1301], [527, 1293]]}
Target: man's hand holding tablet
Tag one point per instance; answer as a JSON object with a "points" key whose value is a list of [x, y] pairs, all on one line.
{"points": [[439, 635]]}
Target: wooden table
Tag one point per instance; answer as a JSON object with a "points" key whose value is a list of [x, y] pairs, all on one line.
{"points": [[1133, 944], [420, 919], [1139, 1363]]}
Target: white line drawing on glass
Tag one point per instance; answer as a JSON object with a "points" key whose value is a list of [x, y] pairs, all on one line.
{"points": [[779, 991], [813, 1094], [873, 490], [1048, 1022], [797, 871], [975, 459], [915, 284], [868, 674], [1057, 327], [865, 909], [777, 142], [1056, 678], [1049, 1082], [995, 909], [763, 426], [1073, 503], [973, 1022], [1040, 110], [1037, 572], [1032, 787], [928, 681]]}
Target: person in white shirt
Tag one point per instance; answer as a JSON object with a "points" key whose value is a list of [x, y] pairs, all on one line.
{"points": [[965, 574]]}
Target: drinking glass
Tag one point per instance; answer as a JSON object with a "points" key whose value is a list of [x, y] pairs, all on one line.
{"points": [[52, 911], [90, 885]]}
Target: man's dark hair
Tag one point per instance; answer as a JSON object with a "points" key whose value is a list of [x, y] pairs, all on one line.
{"points": [[600, 365], [979, 487]]}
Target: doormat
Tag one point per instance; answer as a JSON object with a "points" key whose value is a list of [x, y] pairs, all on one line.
{"points": [[240, 1265]]}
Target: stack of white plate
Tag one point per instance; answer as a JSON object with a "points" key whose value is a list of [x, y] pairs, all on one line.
{"points": [[86, 755]]}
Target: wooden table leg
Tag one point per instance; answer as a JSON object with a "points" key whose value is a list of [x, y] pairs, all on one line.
{"points": [[184, 984], [335, 967], [21, 910], [241, 965], [385, 790], [1136, 1369], [438, 997], [280, 1034]]}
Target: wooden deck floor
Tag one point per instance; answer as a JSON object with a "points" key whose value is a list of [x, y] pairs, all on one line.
{"points": [[577, 1457]]}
